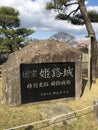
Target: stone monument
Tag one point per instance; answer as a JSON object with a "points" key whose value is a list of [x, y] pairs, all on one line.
{"points": [[45, 53]]}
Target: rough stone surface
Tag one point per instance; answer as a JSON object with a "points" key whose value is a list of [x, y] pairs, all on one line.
{"points": [[58, 114], [37, 52]]}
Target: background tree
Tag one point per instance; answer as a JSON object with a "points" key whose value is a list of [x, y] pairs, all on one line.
{"points": [[65, 37], [11, 36], [79, 16]]}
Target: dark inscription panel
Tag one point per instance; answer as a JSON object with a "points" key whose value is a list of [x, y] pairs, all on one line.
{"points": [[47, 81]]}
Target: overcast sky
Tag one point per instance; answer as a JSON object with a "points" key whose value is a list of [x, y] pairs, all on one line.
{"points": [[33, 15]]}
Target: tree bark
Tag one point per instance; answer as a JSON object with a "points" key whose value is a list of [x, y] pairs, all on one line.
{"points": [[91, 34]]}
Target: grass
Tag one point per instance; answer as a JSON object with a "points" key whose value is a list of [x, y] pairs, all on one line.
{"points": [[24, 114]]}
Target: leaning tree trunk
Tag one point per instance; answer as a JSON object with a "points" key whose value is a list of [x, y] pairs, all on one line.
{"points": [[92, 36]]}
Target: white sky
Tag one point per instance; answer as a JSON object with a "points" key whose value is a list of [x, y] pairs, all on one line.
{"points": [[33, 15]]}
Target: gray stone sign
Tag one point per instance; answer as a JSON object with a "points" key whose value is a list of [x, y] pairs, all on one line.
{"points": [[39, 52]]}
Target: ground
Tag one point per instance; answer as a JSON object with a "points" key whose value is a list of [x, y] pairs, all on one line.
{"points": [[17, 116]]}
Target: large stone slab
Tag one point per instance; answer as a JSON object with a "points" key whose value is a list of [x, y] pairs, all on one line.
{"points": [[38, 52], [58, 114]]}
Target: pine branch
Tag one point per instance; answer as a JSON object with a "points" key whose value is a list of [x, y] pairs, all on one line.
{"points": [[73, 12], [71, 3]]}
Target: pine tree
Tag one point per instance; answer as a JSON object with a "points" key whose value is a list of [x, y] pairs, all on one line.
{"points": [[84, 17], [11, 35]]}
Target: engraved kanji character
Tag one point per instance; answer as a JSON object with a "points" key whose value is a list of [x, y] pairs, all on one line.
{"points": [[33, 73], [46, 84], [68, 82], [67, 91], [41, 85], [54, 93], [45, 73], [63, 82], [68, 72], [53, 83], [60, 92], [64, 92], [35, 85], [29, 86], [41, 94], [56, 72], [44, 94], [49, 93], [26, 74], [58, 83], [57, 93]]}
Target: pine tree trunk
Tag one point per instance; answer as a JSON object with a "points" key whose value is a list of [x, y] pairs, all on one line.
{"points": [[93, 58], [91, 34]]}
